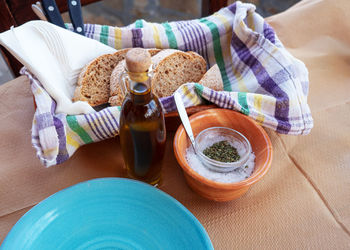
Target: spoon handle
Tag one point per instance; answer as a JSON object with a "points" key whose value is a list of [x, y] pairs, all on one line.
{"points": [[183, 116]]}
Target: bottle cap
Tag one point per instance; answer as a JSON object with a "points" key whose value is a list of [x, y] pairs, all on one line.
{"points": [[138, 60]]}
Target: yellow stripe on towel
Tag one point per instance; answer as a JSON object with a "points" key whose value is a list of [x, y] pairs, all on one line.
{"points": [[71, 141], [117, 38], [257, 104], [156, 36], [189, 95]]}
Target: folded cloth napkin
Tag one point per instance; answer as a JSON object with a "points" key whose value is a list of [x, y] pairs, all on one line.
{"points": [[56, 57], [261, 79]]}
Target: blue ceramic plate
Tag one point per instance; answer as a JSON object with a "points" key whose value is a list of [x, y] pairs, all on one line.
{"points": [[108, 213]]}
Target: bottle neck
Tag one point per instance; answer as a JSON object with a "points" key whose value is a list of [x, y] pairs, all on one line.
{"points": [[140, 92], [139, 87]]}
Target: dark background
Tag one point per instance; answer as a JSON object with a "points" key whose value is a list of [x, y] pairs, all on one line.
{"points": [[124, 12]]}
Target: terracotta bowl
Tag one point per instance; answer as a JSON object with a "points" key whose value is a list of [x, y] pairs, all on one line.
{"points": [[259, 140]]}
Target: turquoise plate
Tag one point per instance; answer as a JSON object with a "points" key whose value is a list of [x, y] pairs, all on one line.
{"points": [[108, 213]]}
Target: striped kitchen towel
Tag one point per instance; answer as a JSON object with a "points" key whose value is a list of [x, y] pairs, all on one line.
{"points": [[261, 78]]}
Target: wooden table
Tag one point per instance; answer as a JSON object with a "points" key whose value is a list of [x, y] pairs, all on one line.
{"points": [[303, 202]]}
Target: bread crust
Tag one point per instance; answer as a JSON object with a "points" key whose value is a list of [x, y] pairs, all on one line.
{"points": [[116, 95]]}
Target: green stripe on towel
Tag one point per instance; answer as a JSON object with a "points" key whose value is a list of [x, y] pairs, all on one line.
{"points": [[242, 100], [138, 24], [218, 52], [104, 34], [171, 36], [74, 125], [199, 89]]}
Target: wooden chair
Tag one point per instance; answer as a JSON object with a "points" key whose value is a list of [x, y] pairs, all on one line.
{"points": [[17, 12]]}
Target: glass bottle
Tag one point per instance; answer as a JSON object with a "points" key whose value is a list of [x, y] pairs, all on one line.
{"points": [[142, 128]]}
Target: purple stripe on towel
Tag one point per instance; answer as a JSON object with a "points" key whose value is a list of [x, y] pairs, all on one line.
{"points": [[211, 95], [110, 121], [35, 137], [137, 38], [266, 82], [196, 39], [203, 42], [89, 30], [168, 103], [215, 96], [53, 107], [100, 125], [44, 120], [62, 150], [184, 29], [189, 35], [224, 100], [179, 28], [93, 31], [232, 8], [105, 122], [269, 34], [115, 121], [87, 118], [86, 28], [167, 100]]}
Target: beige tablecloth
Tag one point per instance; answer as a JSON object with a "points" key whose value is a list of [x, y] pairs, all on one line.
{"points": [[304, 200]]}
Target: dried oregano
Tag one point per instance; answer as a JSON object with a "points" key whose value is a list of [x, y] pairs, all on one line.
{"points": [[222, 151]]}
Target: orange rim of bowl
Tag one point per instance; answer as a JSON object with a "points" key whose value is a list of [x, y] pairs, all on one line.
{"points": [[256, 176]]}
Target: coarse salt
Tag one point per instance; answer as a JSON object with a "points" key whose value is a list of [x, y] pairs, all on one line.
{"points": [[236, 175]]}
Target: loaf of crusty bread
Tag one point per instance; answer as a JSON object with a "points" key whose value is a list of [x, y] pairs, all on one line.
{"points": [[171, 69], [212, 79], [94, 80]]}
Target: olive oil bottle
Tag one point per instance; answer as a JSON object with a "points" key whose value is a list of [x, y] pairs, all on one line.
{"points": [[142, 127]]}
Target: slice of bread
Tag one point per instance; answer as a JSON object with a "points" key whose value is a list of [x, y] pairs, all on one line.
{"points": [[171, 69], [174, 68], [94, 80], [212, 79]]}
